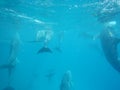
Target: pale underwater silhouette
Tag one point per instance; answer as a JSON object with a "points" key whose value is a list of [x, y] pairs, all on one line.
{"points": [[66, 82]]}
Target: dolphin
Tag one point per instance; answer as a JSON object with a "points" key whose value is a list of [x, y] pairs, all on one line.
{"points": [[66, 82], [109, 45], [12, 59]]}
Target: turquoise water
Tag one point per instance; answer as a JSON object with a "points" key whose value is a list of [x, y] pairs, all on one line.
{"points": [[69, 21]]}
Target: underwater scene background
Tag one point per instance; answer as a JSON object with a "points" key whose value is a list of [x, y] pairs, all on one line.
{"points": [[55, 45]]}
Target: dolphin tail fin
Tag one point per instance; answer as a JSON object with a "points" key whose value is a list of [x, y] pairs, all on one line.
{"points": [[8, 67], [44, 49], [5, 66]]}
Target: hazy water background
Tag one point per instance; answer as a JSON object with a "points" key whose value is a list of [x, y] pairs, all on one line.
{"points": [[83, 56]]}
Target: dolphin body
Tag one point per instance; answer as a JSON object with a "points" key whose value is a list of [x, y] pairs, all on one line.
{"points": [[109, 45], [12, 59], [66, 82]]}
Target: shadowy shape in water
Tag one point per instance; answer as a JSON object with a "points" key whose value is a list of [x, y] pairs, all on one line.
{"points": [[45, 50], [50, 75], [58, 49], [9, 67], [9, 88], [109, 45], [66, 82], [34, 41]]}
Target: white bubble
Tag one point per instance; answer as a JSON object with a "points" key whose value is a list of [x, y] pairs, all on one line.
{"points": [[76, 6]]}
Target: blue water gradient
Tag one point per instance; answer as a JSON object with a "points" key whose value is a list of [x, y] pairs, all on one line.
{"points": [[80, 54]]}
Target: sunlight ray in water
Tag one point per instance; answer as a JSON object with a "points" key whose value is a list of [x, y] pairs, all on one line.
{"points": [[23, 16]]}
